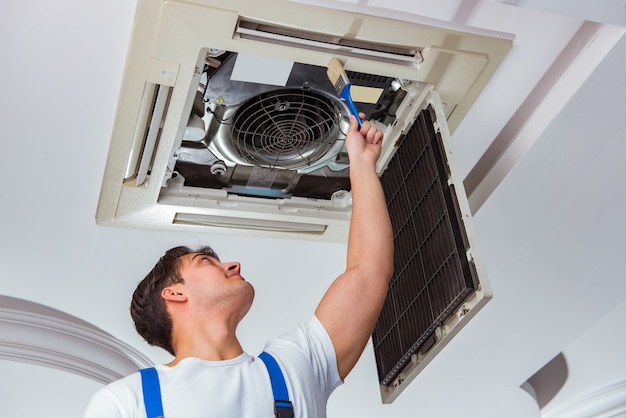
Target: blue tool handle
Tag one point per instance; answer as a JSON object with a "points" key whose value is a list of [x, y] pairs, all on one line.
{"points": [[345, 95]]}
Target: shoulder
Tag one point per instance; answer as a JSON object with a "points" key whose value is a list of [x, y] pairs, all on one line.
{"points": [[307, 354], [117, 399], [306, 337]]}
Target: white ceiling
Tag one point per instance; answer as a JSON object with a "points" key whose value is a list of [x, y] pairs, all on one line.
{"points": [[550, 222]]}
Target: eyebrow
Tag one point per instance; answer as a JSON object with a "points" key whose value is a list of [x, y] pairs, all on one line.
{"points": [[196, 255], [200, 255]]}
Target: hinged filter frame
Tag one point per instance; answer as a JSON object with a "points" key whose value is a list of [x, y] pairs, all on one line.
{"points": [[440, 281]]}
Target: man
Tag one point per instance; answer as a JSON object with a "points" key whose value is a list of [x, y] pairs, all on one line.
{"points": [[200, 301]]}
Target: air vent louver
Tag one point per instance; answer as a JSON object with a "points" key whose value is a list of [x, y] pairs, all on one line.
{"points": [[316, 41]]}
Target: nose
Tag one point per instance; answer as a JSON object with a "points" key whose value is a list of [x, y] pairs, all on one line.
{"points": [[232, 266]]}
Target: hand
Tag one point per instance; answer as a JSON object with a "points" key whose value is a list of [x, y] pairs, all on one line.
{"points": [[364, 143]]}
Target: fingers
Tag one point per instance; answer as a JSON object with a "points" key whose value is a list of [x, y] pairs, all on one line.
{"points": [[374, 136], [354, 124], [370, 132]]}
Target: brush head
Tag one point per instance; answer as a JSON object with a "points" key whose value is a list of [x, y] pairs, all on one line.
{"points": [[341, 82], [337, 75]]}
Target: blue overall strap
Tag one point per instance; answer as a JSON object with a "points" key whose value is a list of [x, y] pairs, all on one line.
{"points": [[283, 407], [151, 392]]}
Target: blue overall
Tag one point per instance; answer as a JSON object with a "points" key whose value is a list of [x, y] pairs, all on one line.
{"points": [[282, 406]]}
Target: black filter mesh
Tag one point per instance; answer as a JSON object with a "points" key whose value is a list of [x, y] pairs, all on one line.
{"points": [[432, 276]]}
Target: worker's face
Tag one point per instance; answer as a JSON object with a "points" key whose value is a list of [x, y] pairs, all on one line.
{"points": [[215, 285]]}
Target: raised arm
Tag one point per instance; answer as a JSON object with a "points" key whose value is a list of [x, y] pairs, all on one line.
{"points": [[351, 306]]}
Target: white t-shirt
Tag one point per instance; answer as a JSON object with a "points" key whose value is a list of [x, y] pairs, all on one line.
{"points": [[234, 388]]}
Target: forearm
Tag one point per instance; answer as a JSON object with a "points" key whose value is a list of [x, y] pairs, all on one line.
{"points": [[370, 242]]}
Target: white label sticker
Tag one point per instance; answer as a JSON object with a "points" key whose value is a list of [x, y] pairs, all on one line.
{"points": [[262, 70]]}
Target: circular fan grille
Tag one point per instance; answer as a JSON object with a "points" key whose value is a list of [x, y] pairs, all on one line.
{"points": [[289, 128]]}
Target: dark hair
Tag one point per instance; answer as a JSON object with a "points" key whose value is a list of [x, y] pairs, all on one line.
{"points": [[147, 307]]}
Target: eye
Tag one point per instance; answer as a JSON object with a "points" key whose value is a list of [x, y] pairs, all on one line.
{"points": [[205, 259]]}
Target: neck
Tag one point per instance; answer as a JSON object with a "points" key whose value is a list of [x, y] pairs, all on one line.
{"points": [[216, 345]]}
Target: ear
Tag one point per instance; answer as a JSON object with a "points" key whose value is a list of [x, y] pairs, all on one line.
{"points": [[173, 294]]}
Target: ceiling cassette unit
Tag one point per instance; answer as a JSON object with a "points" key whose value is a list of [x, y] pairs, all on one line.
{"points": [[228, 123]]}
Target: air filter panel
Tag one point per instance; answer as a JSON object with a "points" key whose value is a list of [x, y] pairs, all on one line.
{"points": [[436, 286]]}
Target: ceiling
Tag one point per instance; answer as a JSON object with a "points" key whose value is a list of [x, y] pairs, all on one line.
{"points": [[542, 152]]}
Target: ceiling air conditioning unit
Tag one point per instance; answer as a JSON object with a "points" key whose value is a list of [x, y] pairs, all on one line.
{"points": [[227, 123]]}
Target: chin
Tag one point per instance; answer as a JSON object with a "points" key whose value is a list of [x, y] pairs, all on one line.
{"points": [[251, 292]]}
